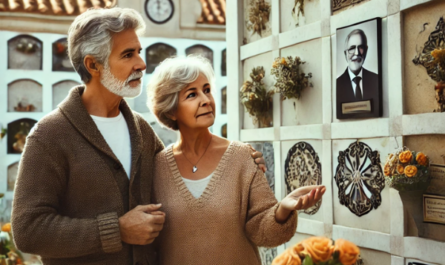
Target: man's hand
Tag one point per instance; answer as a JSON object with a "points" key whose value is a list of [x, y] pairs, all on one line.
{"points": [[141, 225], [299, 199], [259, 160]]}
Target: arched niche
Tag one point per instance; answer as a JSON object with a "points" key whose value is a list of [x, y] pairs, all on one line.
{"points": [[17, 132], [224, 131], [61, 90], [24, 95], [224, 62], [61, 61], [157, 53], [13, 170], [202, 50], [25, 53], [224, 100]]}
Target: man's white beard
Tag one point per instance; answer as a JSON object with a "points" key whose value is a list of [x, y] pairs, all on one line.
{"points": [[120, 88]]}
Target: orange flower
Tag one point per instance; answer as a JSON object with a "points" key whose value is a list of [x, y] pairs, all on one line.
{"points": [[410, 171], [400, 169], [405, 157], [387, 170], [348, 252], [319, 248], [421, 159], [288, 257], [6, 227], [275, 64], [283, 61]]}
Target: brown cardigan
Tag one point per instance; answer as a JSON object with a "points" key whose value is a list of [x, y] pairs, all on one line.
{"points": [[71, 188], [234, 215]]}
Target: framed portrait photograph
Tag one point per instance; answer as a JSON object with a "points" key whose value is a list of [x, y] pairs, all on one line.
{"points": [[359, 70]]}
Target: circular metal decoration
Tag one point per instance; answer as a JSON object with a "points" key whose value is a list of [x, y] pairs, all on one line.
{"points": [[159, 11], [303, 168], [359, 178]]}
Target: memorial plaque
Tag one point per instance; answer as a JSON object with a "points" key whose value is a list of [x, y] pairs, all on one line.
{"points": [[433, 209], [437, 185]]}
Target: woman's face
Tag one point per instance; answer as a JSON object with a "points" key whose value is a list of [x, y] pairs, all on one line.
{"points": [[196, 106]]}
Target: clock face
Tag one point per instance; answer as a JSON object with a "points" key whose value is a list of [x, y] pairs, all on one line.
{"points": [[159, 11]]}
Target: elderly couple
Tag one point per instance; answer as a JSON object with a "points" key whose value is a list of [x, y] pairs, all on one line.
{"points": [[97, 186]]}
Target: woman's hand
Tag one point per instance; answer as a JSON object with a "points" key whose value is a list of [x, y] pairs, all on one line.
{"points": [[299, 199]]}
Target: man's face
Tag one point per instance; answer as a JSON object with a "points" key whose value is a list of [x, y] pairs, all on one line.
{"points": [[123, 72], [356, 52]]}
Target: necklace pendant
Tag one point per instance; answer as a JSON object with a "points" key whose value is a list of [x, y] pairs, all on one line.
{"points": [[194, 169]]}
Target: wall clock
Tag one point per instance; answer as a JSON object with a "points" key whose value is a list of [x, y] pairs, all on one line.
{"points": [[159, 11]]}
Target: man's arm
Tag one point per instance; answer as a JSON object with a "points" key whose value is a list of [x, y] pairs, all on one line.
{"points": [[36, 223]]}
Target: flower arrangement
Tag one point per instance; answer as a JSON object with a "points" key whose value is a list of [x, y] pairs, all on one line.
{"points": [[258, 16], [256, 99], [290, 80], [319, 251], [407, 170], [8, 252]]}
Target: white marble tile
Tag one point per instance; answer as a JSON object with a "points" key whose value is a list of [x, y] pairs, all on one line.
{"points": [[405, 4], [428, 123], [362, 238], [424, 249], [258, 47], [301, 132], [366, 128], [300, 34]]}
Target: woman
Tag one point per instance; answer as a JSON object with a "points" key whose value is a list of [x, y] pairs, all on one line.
{"points": [[218, 204]]}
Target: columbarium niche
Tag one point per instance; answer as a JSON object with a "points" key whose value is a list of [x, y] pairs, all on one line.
{"points": [[24, 95], [61, 61], [202, 50], [17, 132], [157, 53], [25, 53], [61, 90]]}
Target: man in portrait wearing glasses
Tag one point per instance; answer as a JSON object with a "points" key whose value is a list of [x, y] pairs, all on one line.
{"points": [[356, 83]]}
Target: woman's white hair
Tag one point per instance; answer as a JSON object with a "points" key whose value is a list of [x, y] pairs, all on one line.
{"points": [[91, 34], [169, 78]]}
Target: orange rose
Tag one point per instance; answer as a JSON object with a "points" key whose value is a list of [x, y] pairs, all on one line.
{"points": [[410, 171], [348, 252], [400, 169], [405, 157], [6, 227], [288, 257], [421, 159], [319, 248]]}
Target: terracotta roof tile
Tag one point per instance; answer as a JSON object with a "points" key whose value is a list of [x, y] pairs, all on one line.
{"points": [[213, 12], [53, 7]]}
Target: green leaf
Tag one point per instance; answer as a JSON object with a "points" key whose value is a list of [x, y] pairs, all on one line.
{"points": [[307, 261]]}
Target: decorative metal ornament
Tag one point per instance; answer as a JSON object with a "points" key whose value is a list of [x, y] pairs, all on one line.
{"points": [[339, 4], [303, 168], [359, 178]]}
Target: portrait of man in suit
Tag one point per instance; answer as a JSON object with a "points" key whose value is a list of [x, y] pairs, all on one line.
{"points": [[357, 87]]}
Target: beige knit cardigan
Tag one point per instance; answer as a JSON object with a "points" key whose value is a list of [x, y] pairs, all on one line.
{"points": [[71, 188], [234, 215]]}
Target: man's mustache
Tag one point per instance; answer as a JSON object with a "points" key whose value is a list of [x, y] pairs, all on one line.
{"points": [[133, 76], [356, 58]]}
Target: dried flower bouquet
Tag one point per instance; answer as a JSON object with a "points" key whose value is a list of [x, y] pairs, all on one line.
{"points": [[290, 80]]}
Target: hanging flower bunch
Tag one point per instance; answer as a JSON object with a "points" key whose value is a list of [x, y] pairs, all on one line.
{"points": [[319, 251], [255, 97], [258, 16], [407, 170], [290, 80]]}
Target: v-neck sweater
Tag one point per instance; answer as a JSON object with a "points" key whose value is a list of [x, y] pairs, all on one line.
{"points": [[234, 215]]}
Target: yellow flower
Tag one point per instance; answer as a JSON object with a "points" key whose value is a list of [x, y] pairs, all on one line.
{"points": [[400, 169], [410, 171], [6, 227], [348, 252], [275, 64], [405, 157], [283, 61], [421, 159]]}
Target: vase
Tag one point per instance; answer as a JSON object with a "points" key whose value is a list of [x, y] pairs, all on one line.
{"points": [[413, 204]]}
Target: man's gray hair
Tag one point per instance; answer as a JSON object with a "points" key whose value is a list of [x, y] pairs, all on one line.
{"points": [[91, 34], [356, 32], [169, 78]]}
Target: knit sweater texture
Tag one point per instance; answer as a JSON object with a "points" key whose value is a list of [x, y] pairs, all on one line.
{"points": [[234, 215], [71, 189]]}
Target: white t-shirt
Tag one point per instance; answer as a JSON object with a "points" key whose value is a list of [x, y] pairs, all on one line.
{"points": [[116, 134], [197, 187]]}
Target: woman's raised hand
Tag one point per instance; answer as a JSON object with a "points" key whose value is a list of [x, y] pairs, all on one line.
{"points": [[299, 199]]}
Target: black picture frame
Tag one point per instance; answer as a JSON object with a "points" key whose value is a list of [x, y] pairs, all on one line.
{"points": [[349, 105]]}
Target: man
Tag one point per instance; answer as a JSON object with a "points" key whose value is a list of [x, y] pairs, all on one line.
{"points": [[84, 183], [357, 83]]}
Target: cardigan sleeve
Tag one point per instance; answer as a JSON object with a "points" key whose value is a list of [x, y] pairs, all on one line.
{"points": [[37, 225], [261, 227]]}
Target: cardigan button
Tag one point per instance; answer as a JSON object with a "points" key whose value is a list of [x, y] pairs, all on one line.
{"points": [[117, 166]]}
